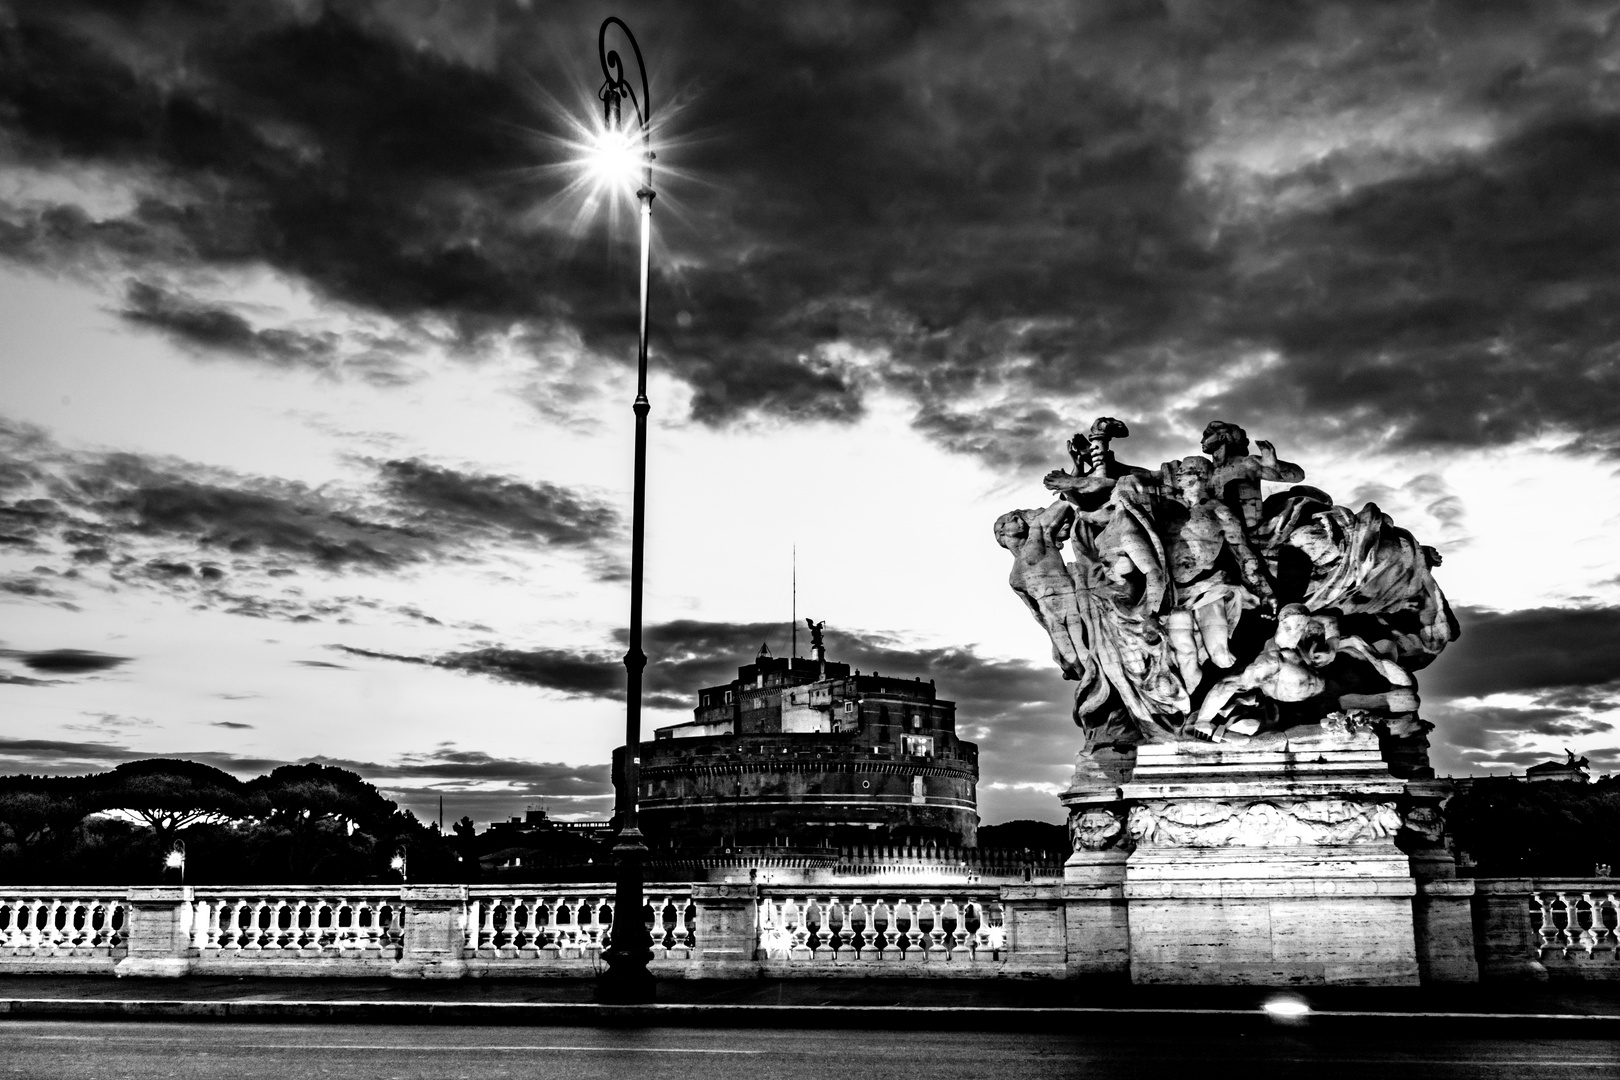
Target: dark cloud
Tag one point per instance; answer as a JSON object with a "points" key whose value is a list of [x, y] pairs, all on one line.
{"points": [[223, 539], [259, 516], [1529, 650], [450, 500], [231, 724], [66, 661], [1411, 212], [23, 680], [213, 330]]}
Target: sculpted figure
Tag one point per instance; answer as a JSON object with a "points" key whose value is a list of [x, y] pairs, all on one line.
{"points": [[1290, 668], [1095, 466], [1363, 565], [1238, 473], [1042, 580], [816, 631], [1130, 589], [1208, 602]]}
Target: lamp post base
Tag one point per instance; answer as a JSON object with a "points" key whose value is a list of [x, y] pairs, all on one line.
{"points": [[626, 983]]}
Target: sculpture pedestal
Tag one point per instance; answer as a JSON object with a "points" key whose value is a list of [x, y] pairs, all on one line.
{"points": [[1271, 866]]}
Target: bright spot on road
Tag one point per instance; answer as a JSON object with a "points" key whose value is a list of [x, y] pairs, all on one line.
{"points": [[1286, 1007]]}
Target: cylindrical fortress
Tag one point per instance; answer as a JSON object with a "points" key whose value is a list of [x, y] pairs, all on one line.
{"points": [[801, 754]]}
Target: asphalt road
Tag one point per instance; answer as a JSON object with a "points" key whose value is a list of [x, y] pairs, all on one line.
{"points": [[68, 1050]]}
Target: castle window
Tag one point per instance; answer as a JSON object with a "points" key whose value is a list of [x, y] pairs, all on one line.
{"points": [[729, 697]]}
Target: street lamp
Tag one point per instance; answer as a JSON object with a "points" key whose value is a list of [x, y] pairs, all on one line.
{"points": [[397, 864], [176, 860], [627, 979]]}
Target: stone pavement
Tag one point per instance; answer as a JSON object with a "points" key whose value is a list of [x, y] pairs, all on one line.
{"points": [[1583, 1009]]}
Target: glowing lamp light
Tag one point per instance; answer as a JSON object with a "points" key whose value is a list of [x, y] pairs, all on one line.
{"points": [[175, 860], [1286, 1008], [615, 160]]}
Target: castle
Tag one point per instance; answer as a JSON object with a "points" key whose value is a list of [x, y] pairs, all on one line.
{"points": [[801, 754]]}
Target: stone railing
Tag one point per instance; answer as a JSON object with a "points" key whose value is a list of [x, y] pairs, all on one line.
{"points": [[62, 930], [1521, 928], [562, 929], [1548, 927], [296, 930], [960, 932]]}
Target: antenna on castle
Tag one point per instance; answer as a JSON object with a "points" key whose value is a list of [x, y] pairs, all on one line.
{"points": [[795, 651]]}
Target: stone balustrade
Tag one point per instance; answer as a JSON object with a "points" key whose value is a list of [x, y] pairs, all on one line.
{"points": [[562, 930], [62, 930], [296, 930], [1540, 928], [1574, 924], [960, 932], [1522, 928]]}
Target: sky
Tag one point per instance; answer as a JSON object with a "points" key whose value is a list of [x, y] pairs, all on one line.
{"points": [[317, 348]]}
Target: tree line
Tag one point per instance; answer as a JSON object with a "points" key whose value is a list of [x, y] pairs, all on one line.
{"points": [[298, 824], [1517, 828]]}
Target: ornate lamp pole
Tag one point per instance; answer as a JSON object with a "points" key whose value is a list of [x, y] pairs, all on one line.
{"points": [[627, 978]]}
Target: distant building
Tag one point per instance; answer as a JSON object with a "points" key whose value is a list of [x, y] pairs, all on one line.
{"points": [[1572, 770], [802, 754], [536, 848], [537, 821]]}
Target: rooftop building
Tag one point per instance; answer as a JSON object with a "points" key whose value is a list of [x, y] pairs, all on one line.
{"points": [[803, 754]]}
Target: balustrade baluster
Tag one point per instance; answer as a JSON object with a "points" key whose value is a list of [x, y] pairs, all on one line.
{"points": [[883, 924], [600, 928], [933, 915], [793, 927], [346, 925], [1580, 924], [78, 914], [307, 934], [955, 915], [53, 928], [94, 920], [198, 930], [905, 919], [546, 928], [568, 920], [523, 926], [863, 933], [248, 916], [1606, 923], [767, 928], [92, 925], [809, 929], [495, 925], [208, 925]]}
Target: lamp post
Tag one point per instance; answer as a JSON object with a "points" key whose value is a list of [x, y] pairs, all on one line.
{"points": [[175, 860], [627, 979]]}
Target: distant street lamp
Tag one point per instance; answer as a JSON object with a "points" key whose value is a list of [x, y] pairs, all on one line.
{"points": [[627, 978], [175, 860], [397, 864]]}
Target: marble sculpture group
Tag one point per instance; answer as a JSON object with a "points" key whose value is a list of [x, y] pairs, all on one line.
{"points": [[1190, 607]]}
